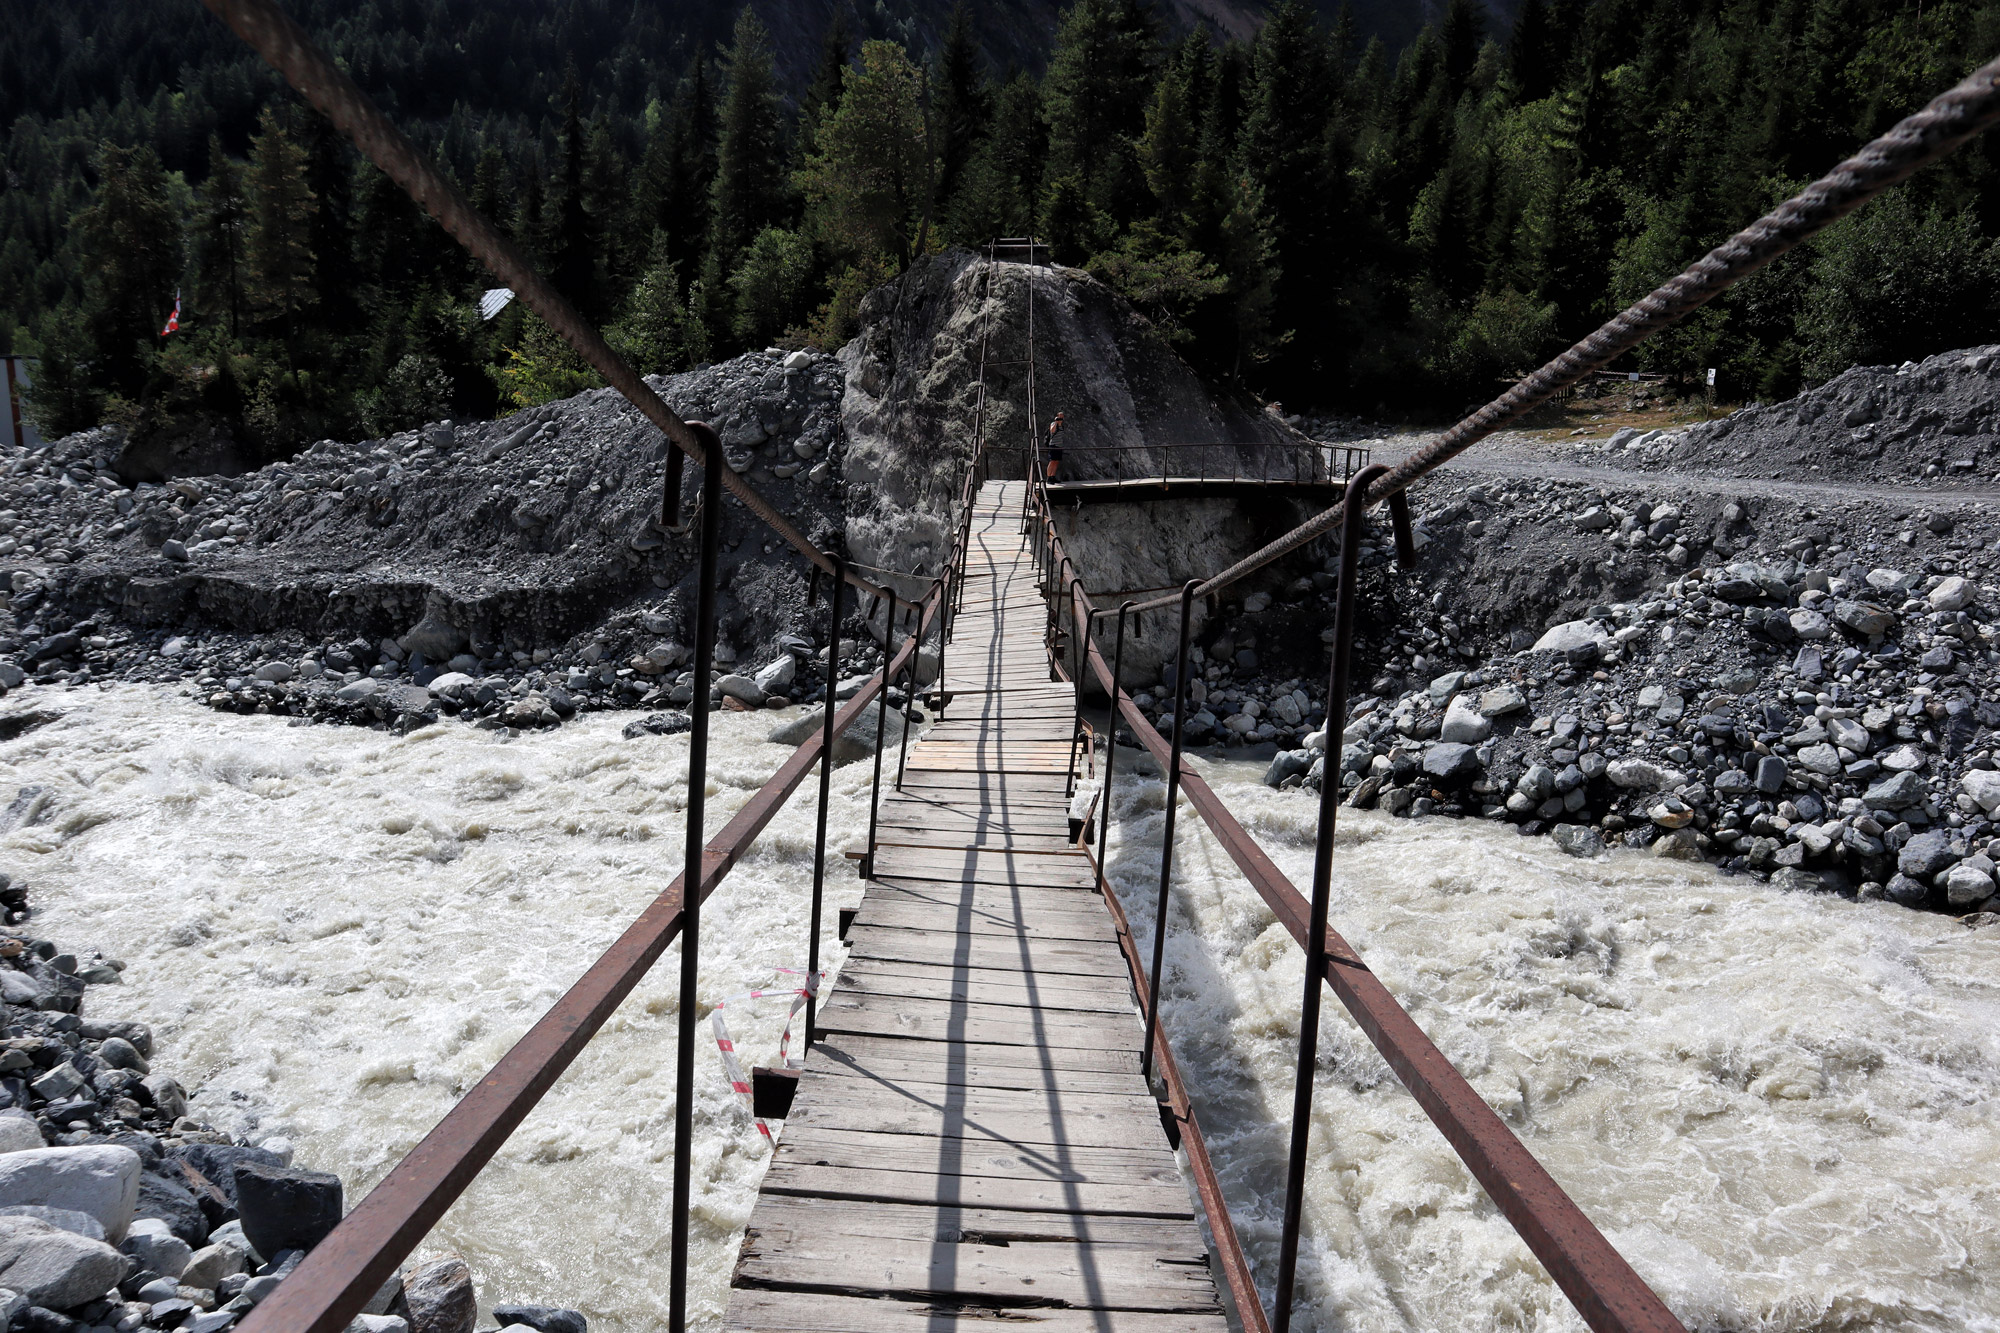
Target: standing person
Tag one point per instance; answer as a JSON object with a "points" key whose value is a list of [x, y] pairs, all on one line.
{"points": [[1053, 450]]}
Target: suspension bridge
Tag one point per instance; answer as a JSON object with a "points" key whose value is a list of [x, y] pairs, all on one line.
{"points": [[989, 1123]]}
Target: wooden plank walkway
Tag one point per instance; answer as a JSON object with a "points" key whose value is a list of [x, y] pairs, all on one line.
{"points": [[971, 1139]]}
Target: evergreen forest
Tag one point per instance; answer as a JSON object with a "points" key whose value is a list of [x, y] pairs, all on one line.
{"points": [[1308, 212]]}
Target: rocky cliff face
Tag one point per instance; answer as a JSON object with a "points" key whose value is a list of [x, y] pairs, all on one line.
{"points": [[911, 409]]}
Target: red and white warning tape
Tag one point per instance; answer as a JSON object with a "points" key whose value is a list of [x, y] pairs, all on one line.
{"points": [[738, 1081]]}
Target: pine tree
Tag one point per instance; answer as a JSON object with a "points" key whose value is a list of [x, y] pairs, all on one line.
{"points": [[278, 247], [747, 190], [1534, 51], [865, 186], [219, 239], [822, 96], [573, 239], [659, 333], [330, 233], [131, 243], [962, 109], [493, 187], [1094, 98]]}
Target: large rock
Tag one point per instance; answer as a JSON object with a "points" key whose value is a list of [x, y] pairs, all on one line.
{"points": [[1464, 723], [1970, 881], [171, 1202], [1865, 618], [1578, 839], [778, 675], [98, 1179], [1451, 762], [18, 1132], [1954, 594], [1569, 637], [541, 1318], [1983, 787], [1899, 792], [284, 1207], [1642, 775], [217, 1163], [857, 742], [439, 1299], [155, 1248], [434, 637], [1926, 854], [53, 1268]]}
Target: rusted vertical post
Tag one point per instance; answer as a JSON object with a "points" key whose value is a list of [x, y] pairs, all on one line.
{"points": [[1406, 537], [697, 785], [825, 792], [1167, 838], [1111, 742], [670, 492], [1354, 503], [881, 726]]}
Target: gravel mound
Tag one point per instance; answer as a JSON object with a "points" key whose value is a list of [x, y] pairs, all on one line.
{"points": [[1934, 422]]}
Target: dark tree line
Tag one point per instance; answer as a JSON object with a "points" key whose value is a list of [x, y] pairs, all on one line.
{"points": [[1308, 212]]}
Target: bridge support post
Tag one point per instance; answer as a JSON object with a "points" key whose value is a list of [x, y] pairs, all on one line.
{"points": [[1406, 537], [698, 708], [1354, 504], [1111, 742], [1167, 840], [825, 791]]}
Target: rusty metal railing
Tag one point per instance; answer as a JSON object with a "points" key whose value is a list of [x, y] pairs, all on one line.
{"points": [[1304, 463], [1606, 1291], [346, 1269]]}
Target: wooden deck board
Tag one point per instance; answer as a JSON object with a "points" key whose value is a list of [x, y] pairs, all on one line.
{"points": [[970, 1138]]}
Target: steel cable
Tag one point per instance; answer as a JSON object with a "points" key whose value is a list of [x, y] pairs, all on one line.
{"points": [[1944, 125], [287, 48]]}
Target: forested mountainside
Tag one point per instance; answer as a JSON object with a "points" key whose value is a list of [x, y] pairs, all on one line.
{"points": [[1311, 201]]}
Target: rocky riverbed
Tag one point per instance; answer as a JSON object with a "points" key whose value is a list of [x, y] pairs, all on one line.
{"points": [[1796, 682], [119, 1211]]}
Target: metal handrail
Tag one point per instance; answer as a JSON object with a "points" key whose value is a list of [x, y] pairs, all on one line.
{"points": [[1605, 1289], [1305, 462]]}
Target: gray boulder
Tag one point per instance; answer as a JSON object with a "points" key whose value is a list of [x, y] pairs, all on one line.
{"points": [[1569, 637], [53, 1268], [432, 636], [1286, 763], [741, 688], [1451, 761], [1899, 792], [1970, 881], [1463, 722], [284, 1207], [156, 1249], [439, 1299], [778, 675], [99, 1179], [857, 742], [1866, 618], [541, 1318], [1926, 854], [1577, 839], [19, 1132]]}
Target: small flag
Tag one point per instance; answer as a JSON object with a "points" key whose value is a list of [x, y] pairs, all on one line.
{"points": [[173, 320]]}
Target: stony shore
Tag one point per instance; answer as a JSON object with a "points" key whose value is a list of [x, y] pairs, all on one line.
{"points": [[120, 1212]]}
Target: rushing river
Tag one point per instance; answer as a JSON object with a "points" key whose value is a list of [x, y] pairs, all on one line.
{"points": [[1781, 1108]]}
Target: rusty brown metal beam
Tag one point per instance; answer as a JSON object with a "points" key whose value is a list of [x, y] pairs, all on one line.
{"points": [[1611, 1297], [343, 1271]]}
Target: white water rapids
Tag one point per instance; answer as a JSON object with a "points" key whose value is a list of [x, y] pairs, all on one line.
{"points": [[1779, 1107]]}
